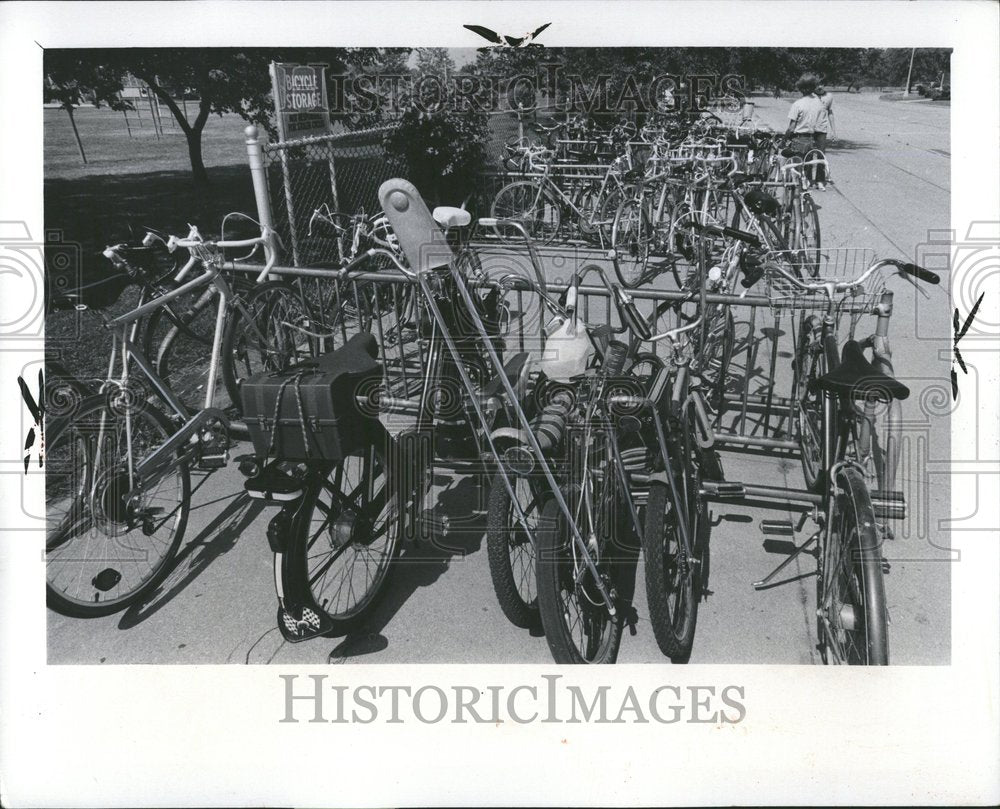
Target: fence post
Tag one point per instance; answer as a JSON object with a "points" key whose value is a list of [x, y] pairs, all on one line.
{"points": [[333, 178], [255, 156]]}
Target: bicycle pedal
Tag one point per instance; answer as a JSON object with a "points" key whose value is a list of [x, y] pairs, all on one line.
{"points": [[273, 485], [888, 505], [779, 528], [297, 624], [249, 465]]}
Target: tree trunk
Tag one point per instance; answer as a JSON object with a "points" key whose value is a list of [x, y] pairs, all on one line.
{"points": [[194, 151], [76, 134]]}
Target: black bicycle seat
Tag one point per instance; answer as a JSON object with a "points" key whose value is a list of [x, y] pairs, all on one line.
{"points": [[357, 355], [759, 201], [859, 379]]}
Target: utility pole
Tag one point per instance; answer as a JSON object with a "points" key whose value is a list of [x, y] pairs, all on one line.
{"points": [[909, 73]]}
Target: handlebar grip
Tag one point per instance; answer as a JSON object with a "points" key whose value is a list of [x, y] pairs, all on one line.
{"points": [[742, 235], [488, 221], [357, 262], [614, 358], [630, 315], [919, 272]]}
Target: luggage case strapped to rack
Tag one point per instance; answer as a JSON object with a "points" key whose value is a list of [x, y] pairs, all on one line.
{"points": [[309, 411]]}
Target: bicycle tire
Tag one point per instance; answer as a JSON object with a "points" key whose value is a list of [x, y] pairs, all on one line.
{"points": [[808, 403], [271, 342], [804, 235], [509, 546], [852, 581], [109, 552], [674, 582], [181, 354], [538, 212], [554, 566], [310, 555], [631, 239]]}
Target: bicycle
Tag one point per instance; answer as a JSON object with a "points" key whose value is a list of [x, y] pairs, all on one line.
{"points": [[177, 336], [302, 317], [334, 550], [118, 474], [843, 458], [540, 202], [638, 451]]}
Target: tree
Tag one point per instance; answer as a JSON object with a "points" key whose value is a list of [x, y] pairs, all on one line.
{"points": [[441, 147], [71, 80], [224, 79]]}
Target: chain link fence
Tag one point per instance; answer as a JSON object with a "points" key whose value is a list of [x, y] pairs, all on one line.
{"points": [[342, 171]]}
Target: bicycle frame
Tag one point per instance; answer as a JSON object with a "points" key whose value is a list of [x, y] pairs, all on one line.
{"points": [[169, 453], [836, 439]]}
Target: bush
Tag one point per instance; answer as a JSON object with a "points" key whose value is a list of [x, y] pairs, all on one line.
{"points": [[442, 149]]}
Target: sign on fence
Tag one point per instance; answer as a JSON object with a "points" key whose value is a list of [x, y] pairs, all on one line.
{"points": [[300, 102]]}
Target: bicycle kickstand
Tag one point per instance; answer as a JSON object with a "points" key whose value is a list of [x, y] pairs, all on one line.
{"points": [[765, 583]]}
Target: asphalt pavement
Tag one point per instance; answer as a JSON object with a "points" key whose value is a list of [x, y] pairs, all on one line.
{"points": [[890, 193]]}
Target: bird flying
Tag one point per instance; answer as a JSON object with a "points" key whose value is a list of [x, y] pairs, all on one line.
{"points": [[503, 39]]}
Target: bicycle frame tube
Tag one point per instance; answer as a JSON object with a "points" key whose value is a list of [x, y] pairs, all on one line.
{"points": [[536, 449], [161, 300], [882, 360]]}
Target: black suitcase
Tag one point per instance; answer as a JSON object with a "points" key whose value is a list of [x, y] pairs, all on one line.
{"points": [[315, 405]]}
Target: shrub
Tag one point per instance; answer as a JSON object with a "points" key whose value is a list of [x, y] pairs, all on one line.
{"points": [[441, 148]]}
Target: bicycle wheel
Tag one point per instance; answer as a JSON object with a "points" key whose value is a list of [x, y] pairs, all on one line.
{"points": [[533, 208], [578, 627], [346, 535], [762, 226], [809, 410], [804, 235], [278, 332], [851, 608], [632, 239], [511, 549], [718, 342], [103, 553], [613, 197], [675, 574], [180, 345]]}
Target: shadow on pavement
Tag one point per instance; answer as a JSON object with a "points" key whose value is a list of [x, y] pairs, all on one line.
{"points": [[847, 145], [422, 564], [215, 539]]}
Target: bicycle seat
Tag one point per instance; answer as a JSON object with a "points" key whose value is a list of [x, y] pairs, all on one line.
{"points": [[448, 217], [759, 201], [859, 379], [357, 355]]}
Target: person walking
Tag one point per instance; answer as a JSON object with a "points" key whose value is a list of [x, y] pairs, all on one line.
{"points": [[808, 125], [826, 99]]}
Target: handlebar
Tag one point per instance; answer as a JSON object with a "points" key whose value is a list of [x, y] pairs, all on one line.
{"points": [[370, 253], [832, 287], [536, 264], [203, 251]]}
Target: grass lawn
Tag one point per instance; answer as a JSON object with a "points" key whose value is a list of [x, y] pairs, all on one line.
{"points": [[142, 181]]}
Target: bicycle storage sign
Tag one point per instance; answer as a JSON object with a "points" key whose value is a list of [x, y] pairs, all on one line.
{"points": [[300, 101]]}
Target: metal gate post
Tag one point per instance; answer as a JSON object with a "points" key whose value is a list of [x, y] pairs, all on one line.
{"points": [[255, 156]]}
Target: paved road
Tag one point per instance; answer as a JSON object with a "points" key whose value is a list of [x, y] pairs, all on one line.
{"points": [[892, 180]]}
